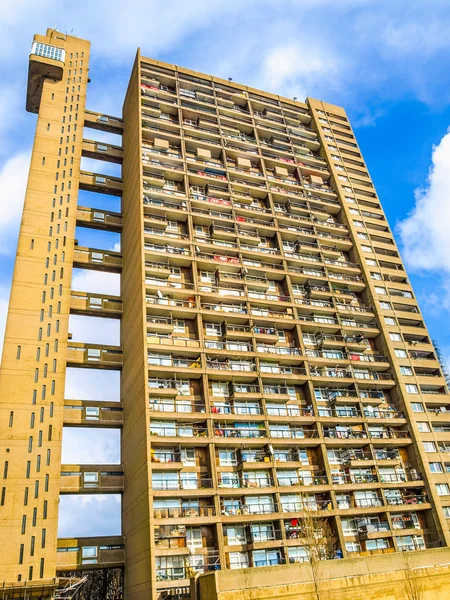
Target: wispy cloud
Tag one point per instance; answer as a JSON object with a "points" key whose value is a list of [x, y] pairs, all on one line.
{"points": [[13, 181], [424, 233], [84, 515]]}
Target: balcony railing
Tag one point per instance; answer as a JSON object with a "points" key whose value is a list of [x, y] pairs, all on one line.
{"points": [[184, 513]]}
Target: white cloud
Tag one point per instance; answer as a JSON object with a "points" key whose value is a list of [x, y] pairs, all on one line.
{"points": [[85, 515], [95, 330], [96, 282], [90, 446], [292, 69], [92, 384], [425, 232], [13, 182], [4, 300]]}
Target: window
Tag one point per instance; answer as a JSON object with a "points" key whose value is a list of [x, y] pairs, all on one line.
{"points": [[399, 353], [213, 329], [227, 457], [238, 560], [395, 337], [429, 446], [436, 467], [386, 306], [219, 388], [367, 249], [442, 489], [371, 262], [423, 426], [417, 407], [406, 371], [376, 276], [380, 290], [349, 526], [47, 51], [363, 236], [353, 546], [389, 320], [92, 413], [411, 388]]}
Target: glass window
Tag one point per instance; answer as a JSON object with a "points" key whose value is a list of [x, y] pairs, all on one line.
{"points": [[371, 262], [442, 489], [417, 407], [238, 560], [213, 329], [48, 51], [389, 320], [380, 290], [395, 337], [429, 446], [406, 371], [423, 426], [436, 467], [353, 546], [411, 388], [399, 353]]}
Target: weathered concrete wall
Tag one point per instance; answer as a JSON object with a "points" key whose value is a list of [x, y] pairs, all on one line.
{"points": [[417, 576]]}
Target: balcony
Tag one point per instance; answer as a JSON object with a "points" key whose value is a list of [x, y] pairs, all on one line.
{"points": [[184, 430], [337, 372], [355, 457], [288, 432], [287, 371], [96, 218], [385, 380], [95, 305], [102, 184], [176, 306], [156, 362], [226, 431], [193, 512], [370, 531], [400, 477], [89, 413], [232, 367], [97, 260], [181, 405], [161, 484], [90, 553], [303, 479], [383, 414], [94, 356], [408, 498], [344, 433], [240, 509], [90, 479], [400, 438]]}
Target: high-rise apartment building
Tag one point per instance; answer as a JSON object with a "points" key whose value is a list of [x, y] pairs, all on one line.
{"points": [[273, 356]]}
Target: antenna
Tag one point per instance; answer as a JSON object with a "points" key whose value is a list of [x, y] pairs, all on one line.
{"points": [[442, 362]]}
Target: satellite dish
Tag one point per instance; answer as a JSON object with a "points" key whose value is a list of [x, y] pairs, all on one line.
{"points": [[159, 294], [370, 409]]}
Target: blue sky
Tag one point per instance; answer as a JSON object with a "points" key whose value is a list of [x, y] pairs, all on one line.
{"points": [[386, 62]]}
